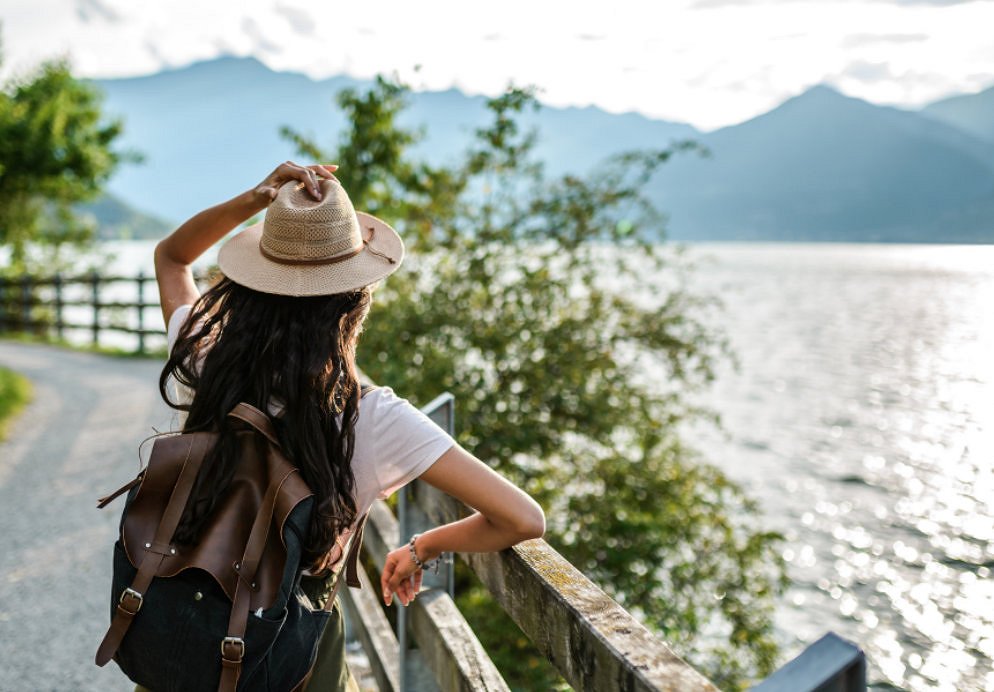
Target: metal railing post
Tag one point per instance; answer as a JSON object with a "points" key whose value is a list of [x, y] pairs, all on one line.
{"points": [[831, 663], [442, 410], [402, 645]]}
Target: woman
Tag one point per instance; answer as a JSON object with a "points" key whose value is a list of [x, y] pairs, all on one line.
{"points": [[280, 332]]}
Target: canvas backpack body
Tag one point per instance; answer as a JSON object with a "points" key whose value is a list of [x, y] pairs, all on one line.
{"points": [[227, 613]]}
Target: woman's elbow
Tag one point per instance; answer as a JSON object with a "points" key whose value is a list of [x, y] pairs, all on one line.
{"points": [[531, 523], [160, 257]]}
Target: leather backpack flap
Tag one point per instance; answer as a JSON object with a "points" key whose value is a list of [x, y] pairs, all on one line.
{"points": [[223, 539]]}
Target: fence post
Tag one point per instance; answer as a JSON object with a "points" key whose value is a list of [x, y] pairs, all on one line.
{"points": [[25, 302], [3, 303], [95, 289], [58, 306], [141, 310]]}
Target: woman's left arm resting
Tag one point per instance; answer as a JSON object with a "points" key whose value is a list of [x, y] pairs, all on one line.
{"points": [[505, 515]]}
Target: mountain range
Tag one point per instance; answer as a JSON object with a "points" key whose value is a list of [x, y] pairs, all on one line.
{"points": [[820, 166]]}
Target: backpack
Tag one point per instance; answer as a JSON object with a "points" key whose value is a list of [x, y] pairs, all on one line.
{"points": [[227, 613]]}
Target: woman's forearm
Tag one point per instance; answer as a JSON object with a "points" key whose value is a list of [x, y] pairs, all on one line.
{"points": [[474, 534], [188, 242], [505, 515]]}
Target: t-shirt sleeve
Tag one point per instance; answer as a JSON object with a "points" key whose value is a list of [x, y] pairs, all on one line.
{"points": [[178, 393], [405, 442], [176, 321]]}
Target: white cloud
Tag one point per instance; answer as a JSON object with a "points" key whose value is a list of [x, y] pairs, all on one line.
{"points": [[679, 60]]}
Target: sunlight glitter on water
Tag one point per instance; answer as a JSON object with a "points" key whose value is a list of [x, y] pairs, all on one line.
{"points": [[865, 408]]}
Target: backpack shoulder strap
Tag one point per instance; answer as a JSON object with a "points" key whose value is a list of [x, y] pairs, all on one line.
{"points": [[257, 419], [349, 572], [233, 645]]}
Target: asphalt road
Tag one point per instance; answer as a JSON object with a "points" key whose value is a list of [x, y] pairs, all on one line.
{"points": [[76, 441]]}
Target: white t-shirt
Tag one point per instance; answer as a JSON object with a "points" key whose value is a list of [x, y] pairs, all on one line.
{"points": [[394, 441]]}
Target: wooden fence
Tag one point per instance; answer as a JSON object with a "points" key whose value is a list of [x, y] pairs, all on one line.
{"points": [[91, 304]]}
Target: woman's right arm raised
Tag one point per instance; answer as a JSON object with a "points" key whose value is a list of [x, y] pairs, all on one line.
{"points": [[505, 515], [175, 253]]}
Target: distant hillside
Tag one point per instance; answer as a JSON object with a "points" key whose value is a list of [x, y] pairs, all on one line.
{"points": [[973, 113], [117, 220], [821, 166], [212, 128]]}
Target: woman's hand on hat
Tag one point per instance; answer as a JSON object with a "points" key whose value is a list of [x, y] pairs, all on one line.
{"points": [[288, 171]]}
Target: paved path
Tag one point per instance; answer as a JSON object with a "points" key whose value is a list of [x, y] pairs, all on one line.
{"points": [[77, 440]]}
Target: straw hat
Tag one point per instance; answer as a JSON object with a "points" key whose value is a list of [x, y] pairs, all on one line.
{"points": [[310, 247]]}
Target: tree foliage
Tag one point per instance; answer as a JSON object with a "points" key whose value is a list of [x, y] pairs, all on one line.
{"points": [[564, 328], [55, 150]]}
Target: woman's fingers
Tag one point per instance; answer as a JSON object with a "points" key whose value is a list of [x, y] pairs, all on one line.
{"points": [[310, 179], [407, 590], [325, 170], [385, 577], [399, 583], [310, 176]]}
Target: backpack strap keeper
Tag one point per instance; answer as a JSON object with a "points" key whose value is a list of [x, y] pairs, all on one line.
{"points": [[130, 593], [236, 643]]}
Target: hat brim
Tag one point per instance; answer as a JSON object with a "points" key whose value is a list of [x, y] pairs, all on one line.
{"points": [[241, 260]]}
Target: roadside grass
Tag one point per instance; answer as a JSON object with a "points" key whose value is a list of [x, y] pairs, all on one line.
{"points": [[15, 392]]}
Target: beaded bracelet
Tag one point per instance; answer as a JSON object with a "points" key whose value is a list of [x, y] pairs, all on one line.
{"points": [[414, 554], [431, 564]]}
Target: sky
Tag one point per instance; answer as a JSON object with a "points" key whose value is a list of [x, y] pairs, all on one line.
{"points": [[706, 62]]}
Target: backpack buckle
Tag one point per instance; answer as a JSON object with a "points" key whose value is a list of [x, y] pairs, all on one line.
{"points": [[130, 593], [235, 642]]}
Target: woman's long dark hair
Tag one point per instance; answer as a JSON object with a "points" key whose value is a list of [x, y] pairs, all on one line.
{"points": [[239, 345]]}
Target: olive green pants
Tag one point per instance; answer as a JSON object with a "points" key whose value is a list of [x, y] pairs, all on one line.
{"points": [[331, 672]]}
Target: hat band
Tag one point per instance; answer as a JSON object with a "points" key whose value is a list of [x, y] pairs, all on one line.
{"points": [[328, 260]]}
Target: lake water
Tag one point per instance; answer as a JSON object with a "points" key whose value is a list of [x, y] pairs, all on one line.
{"points": [[862, 419]]}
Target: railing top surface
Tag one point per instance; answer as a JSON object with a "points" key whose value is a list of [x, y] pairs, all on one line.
{"points": [[594, 642]]}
